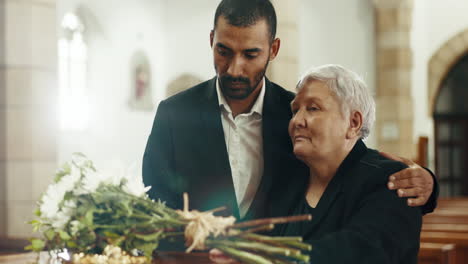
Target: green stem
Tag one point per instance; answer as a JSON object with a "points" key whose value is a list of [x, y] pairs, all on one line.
{"points": [[295, 242], [300, 257], [171, 234], [109, 226], [279, 245], [141, 216], [275, 239], [256, 229], [273, 220], [299, 245], [175, 222], [252, 246], [245, 257]]}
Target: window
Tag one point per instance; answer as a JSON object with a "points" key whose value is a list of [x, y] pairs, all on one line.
{"points": [[72, 67], [451, 131]]}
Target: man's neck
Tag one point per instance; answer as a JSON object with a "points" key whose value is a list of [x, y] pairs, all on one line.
{"points": [[245, 105]]}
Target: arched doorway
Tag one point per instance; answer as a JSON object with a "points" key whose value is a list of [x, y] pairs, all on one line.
{"points": [[451, 131]]}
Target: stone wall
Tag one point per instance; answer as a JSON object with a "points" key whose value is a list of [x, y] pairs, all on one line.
{"points": [[27, 109], [442, 62], [284, 70], [394, 124]]}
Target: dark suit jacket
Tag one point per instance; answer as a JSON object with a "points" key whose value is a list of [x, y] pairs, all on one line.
{"points": [[186, 152], [358, 220]]}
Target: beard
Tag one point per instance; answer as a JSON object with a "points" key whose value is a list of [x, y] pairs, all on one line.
{"points": [[239, 88]]}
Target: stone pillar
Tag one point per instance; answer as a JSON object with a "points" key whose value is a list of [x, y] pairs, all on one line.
{"points": [[394, 124], [28, 94], [284, 70]]}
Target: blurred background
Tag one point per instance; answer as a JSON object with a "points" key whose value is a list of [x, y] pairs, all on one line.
{"points": [[87, 76]]}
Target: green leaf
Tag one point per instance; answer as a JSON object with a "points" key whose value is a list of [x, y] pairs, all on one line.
{"points": [[68, 196], [64, 235], [89, 218], [36, 224], [33, 222], [118, 242], [150, 237], [126, 205], [36, 244], [111, 234], [72, 244], [148, 248], [65, 170], [49, 234], [86, 239], [37, 212]]}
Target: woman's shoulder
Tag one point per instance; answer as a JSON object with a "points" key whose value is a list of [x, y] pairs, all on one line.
{"points": [[373, 167], [374, 159]]}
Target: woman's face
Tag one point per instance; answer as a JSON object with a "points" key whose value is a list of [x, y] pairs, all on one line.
{"points": [[318, 127]]}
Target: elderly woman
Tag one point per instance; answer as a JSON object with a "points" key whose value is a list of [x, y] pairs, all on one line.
{"points": [[356, 219]]}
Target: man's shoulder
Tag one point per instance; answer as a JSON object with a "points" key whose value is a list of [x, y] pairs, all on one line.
{"points": [[191, 94], [281, 92]]}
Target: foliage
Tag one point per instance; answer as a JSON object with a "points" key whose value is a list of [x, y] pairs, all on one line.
{"points": [[85, 211]]}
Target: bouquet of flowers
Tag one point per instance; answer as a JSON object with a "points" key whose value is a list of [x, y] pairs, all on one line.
{"points": [[100, 217]]}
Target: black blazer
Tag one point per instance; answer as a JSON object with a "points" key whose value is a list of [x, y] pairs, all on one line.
{"points": [[186, 152], [358, 220]]}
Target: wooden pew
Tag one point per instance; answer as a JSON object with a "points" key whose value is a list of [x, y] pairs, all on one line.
{"points": [[19, 258], [454, 228], [437, 253], [451, 211], [12, 245], [461, 204], [448, 224], [444, 219], [452, 202], [459, 239]]}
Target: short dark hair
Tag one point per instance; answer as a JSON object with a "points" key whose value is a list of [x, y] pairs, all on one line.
{"points": [[243, 13]]}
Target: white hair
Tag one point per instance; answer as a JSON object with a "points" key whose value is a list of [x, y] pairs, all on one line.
{"points": [[350, 90]]}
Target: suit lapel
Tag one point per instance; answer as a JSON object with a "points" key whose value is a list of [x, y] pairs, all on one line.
{"points": [[333, 190], [222, 178], [274, 123], [335, 187]]}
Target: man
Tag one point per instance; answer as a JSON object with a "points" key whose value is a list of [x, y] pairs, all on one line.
{"points": [[225, 141]]}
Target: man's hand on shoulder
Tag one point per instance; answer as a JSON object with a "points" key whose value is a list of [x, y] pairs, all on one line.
{"points": [[415, 181]]}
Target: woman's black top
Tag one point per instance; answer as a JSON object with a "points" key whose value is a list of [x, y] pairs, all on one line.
{"points": [[357, 219]]}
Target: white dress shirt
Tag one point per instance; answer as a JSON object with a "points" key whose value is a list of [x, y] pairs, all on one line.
{"points": [[244, 142]]}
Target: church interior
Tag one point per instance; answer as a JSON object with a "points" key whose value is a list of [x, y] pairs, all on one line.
{"points": [[87, 76]]}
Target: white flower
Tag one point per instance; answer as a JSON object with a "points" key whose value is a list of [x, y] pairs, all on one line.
{"points": [[55, 194], [135, 186], [80, 160], [92, 180], [64, 215], [50, 201], [58, 212], [90, 183], [74, 227], [68, 182], [113, 176]]}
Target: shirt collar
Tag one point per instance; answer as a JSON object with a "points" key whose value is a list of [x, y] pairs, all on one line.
{"points": [[256, 108]]}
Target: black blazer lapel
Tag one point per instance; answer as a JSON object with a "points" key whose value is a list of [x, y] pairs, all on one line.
{"points": [[213, 141], [335, 187], [275, 119]]}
